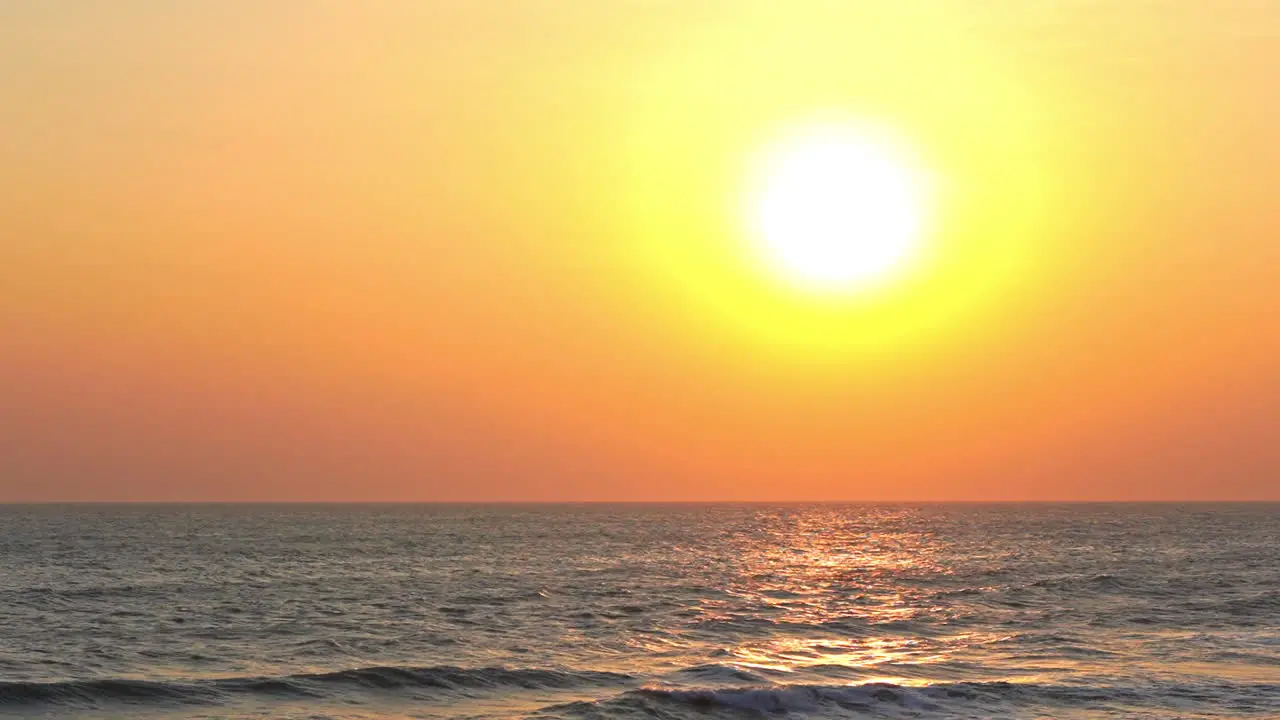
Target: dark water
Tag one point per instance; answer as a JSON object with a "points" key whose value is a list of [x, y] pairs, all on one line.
{"points": [[943, 611]]}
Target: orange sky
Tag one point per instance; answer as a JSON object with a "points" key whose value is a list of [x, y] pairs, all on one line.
{"points": [[488, 250]]}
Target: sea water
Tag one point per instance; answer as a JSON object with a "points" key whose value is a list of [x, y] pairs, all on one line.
{"points": [[640, 611]]}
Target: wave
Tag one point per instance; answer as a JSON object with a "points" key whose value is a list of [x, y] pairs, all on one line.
{"points": [[720, 674], [964, 699], [445, 679], [624, 698]]}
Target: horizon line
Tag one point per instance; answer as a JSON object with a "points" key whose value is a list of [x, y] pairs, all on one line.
{"points": [[18, 503]]}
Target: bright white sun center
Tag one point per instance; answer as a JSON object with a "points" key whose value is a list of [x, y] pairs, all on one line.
{"points": [[838, 210]]}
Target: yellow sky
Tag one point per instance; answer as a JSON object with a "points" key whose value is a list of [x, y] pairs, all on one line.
{"points": [[409, 250]]}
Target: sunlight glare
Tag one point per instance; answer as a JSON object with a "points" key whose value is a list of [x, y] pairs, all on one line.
{"points": [[836, 209]]}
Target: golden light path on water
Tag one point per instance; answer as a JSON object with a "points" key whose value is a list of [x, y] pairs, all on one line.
{"points": [[879, 607], [803, 577]]}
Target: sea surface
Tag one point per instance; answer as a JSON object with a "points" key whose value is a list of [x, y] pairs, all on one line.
{"points": [[640, 611]]}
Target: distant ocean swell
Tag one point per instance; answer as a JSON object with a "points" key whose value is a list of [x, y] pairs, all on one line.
{"points": [[622, 695]]}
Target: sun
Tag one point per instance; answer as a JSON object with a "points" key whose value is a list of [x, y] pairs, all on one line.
{"points": [[838, 209]]}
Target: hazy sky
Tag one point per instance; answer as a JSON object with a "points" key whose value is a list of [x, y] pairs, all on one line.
{"points": [[490, 250]]}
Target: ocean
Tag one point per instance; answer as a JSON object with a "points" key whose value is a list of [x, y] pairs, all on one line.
{"points": [[640, 611]]}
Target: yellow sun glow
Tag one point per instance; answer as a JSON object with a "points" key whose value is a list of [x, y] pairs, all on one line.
{"points": [[838, 210]]}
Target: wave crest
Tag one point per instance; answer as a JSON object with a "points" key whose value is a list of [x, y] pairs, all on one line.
{"points": [[887, 700], [445, 679]]}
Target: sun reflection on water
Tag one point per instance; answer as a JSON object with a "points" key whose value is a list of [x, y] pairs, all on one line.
{"points": [[827, 590]]}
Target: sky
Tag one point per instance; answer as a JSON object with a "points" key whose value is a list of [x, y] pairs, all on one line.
{"points": [[492, 250]]}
